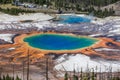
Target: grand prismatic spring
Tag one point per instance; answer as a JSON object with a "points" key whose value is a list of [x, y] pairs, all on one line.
{"points": [[59, 42]]}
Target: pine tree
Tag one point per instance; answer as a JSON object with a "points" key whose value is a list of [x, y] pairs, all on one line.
{"points": [[75, 77], [4, 78], [8, 77], [81, 75], [93, 75], [66, 76], [17, 78]]}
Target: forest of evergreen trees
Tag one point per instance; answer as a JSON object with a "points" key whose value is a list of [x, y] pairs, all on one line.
{"points": [[67, 2], [74, 5], [15, 11]]}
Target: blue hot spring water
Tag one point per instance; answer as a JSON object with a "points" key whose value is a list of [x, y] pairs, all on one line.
{"points": [[72, 19], [58, 42]]}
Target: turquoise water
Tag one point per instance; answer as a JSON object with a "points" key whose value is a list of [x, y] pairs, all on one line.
{"points": [[58, 42], [71, 19]]}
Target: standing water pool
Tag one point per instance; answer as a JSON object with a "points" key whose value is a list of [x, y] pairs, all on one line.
{"points": [[72, 19], [59, 41]]}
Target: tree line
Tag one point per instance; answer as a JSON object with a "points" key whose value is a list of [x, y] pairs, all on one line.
{"points": [[7, 77], [92, 75], [65, 2], [68, 5], [15, 11]]}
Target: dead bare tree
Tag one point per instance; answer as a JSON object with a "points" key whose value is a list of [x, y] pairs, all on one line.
{"points": [[47, 67], [13, 66], [23, 65], [28, 64], [1, 70]]}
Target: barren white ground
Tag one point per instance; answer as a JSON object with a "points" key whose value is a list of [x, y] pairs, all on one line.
{"points": [[80, 61], [32, 16]]}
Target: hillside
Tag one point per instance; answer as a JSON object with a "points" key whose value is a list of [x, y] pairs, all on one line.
{"points": [[115, 7]]}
